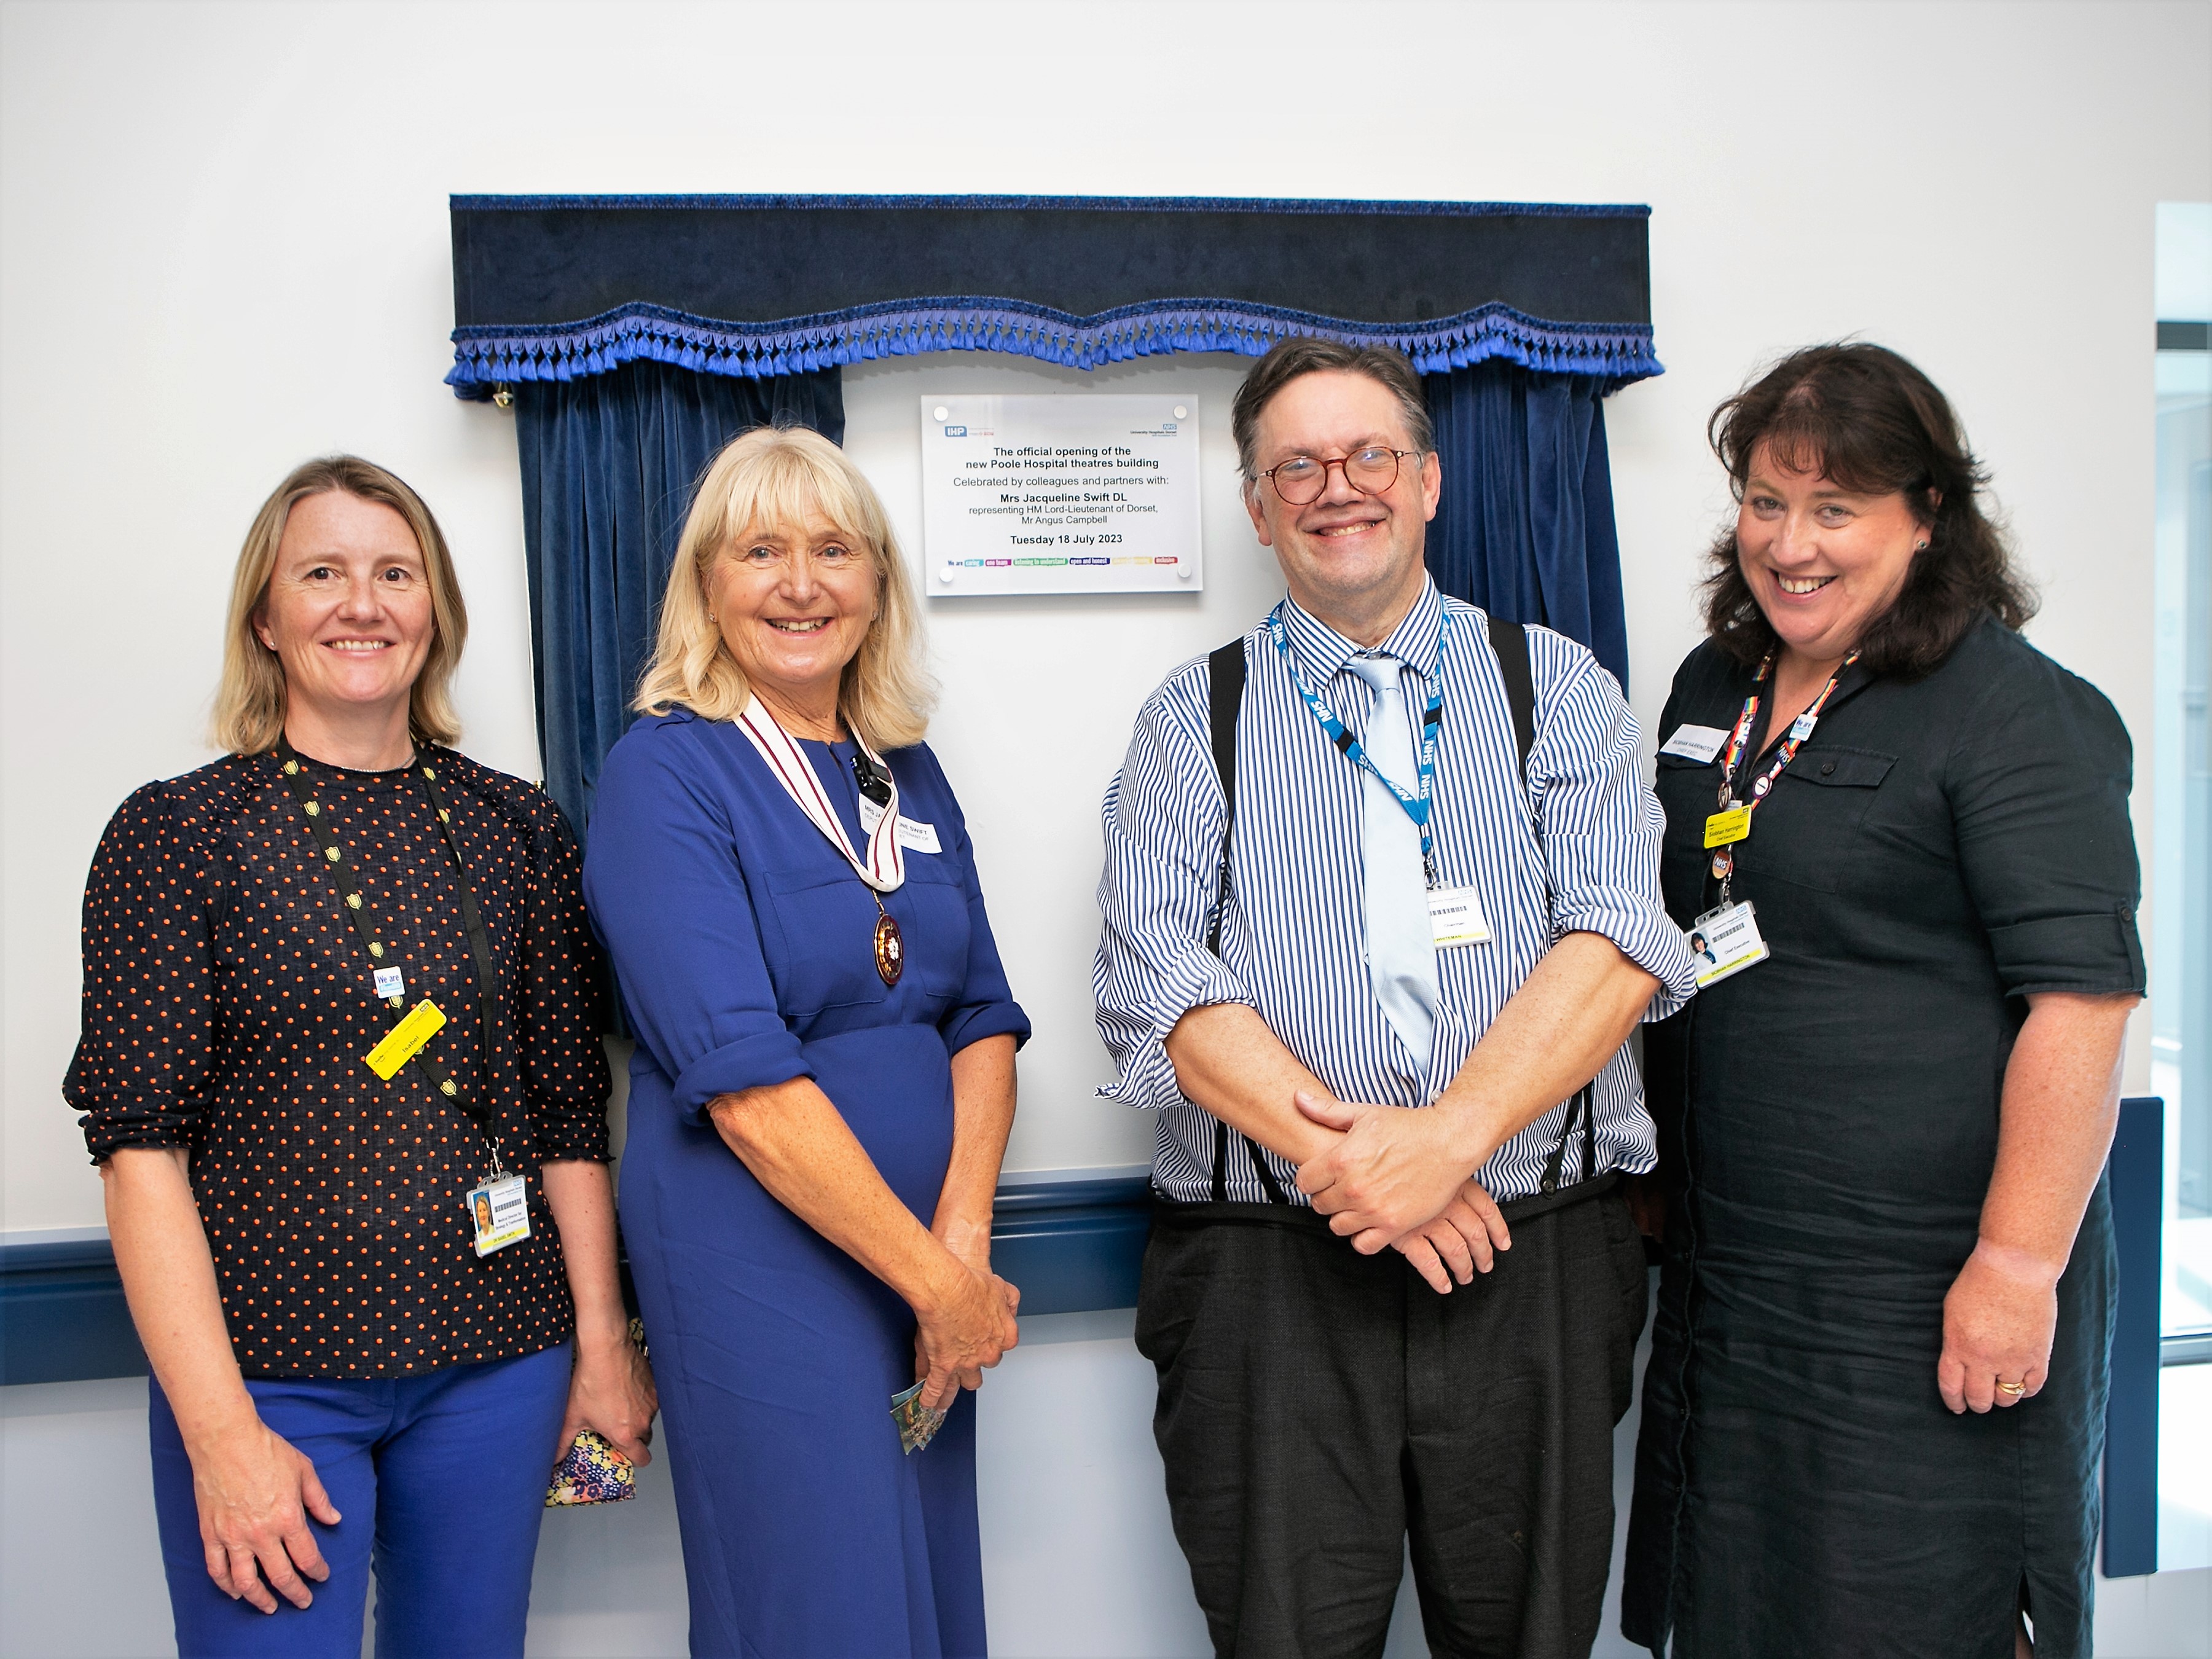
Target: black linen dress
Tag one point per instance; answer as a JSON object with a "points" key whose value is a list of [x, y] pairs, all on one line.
{"points": [[1828, 1126]]}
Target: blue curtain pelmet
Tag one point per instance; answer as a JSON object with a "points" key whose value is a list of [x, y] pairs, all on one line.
{"points": [[610, 463], [1525, 526]]}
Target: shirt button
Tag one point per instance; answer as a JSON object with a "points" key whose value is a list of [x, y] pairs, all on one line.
{"points": [[1827, 767]]}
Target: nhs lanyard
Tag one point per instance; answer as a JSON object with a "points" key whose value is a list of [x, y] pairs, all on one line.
{"points": [[1732, 823], [1800, 729], [1432, 717]]}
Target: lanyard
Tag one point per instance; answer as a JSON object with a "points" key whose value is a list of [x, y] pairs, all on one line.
{"points": [[356, 911], [884, 868], [1432, 717], [1730, 803]]}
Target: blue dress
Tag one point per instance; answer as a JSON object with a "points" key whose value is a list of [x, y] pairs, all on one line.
{"points": [[742, 943]]}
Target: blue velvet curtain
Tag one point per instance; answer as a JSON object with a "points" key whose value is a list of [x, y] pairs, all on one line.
{"points": [[608, 465], [1525, 526]]}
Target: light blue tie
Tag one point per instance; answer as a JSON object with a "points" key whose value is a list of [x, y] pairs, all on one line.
{"points": [[1401, 951]]}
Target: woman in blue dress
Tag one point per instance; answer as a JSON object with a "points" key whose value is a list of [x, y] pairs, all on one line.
{"points": [[825, 1074]]}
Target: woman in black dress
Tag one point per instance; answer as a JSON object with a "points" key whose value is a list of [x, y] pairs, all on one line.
{"points": [[1874, 1409]]}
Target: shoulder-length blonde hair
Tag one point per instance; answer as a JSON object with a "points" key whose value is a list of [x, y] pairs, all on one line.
{"points": [[249, 703], [767, 480]]}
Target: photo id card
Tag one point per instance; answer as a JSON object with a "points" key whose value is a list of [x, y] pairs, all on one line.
{"points": [[1725, 941], [1455, 917], [501, 1212]]}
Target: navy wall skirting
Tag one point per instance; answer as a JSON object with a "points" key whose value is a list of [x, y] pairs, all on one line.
{"points": [[2137, 1171], [1071, 1245], [1077, 1245], [62, 1314]]}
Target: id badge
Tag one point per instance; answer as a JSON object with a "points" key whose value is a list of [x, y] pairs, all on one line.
{"points": [[921, 837], [1727, 827], [404, 1040], [500, 1210], [1725, 941], [1455, 917]]}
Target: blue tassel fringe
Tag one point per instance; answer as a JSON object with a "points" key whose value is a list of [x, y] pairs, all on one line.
{"points": [[487, 356]]}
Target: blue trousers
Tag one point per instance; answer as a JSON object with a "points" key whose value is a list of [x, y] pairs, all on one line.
{"points": [[439, 1481]]}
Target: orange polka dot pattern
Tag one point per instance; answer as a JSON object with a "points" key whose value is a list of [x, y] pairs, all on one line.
{"points": [[227, 1007]]}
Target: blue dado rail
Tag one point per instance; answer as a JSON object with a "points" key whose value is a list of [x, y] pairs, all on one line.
{"points": [[1071, 1245], [1076, 1245]]}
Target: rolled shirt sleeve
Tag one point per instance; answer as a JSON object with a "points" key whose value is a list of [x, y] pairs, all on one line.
{"points": [[1162, 821], [564, 1062], [2039, 786], [670, 902], [1599, 824], [142, 1070]]}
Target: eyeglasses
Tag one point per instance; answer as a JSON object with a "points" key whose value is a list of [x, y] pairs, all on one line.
{"points": [[1303, 479]]}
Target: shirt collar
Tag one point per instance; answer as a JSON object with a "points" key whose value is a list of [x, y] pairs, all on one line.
{"points": [[1322, 652]]}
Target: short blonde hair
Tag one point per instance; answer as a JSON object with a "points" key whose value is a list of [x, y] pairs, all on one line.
{"points": [[765, 481], [250, 701]]}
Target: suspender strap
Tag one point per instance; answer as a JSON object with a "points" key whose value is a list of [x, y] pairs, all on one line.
{"points": [[1225, 698], [1225, 682], [1509, 641], [1583, 1106]]}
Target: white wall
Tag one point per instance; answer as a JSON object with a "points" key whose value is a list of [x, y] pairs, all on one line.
{"points": [[223, 247]]}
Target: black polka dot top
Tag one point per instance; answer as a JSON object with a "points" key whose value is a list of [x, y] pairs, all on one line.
{"points": [[227, 1005]]}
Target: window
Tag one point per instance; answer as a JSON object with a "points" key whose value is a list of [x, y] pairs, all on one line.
{"points": [[2181, 769]]}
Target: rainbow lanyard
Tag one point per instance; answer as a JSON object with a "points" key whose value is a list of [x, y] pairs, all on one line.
{"points": [[1732, 824]]}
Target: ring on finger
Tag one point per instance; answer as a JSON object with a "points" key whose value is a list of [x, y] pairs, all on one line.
{"points": [[2015, 1390]]}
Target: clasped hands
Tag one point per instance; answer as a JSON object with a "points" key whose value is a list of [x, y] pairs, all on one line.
{"points": [[968, 1322], [1393, 1178]]}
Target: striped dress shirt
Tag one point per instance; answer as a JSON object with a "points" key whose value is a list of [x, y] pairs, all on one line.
{"points": [[1577, 851]]}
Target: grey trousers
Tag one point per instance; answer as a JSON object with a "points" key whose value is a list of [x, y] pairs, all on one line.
{"points": [[1317, 1408]]}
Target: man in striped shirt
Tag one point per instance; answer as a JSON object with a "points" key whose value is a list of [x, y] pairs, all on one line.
{"points": [[1410, 916]]}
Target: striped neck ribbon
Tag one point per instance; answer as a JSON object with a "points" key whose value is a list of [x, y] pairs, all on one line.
{"points": [[884, 868]]}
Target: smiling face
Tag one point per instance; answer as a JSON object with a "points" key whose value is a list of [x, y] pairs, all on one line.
{"points": [[1823, 563], [1353, 560], [793, 605], [347, 610]]}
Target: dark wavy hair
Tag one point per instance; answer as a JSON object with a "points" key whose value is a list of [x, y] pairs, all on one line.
{"points": [[1875, 424]]}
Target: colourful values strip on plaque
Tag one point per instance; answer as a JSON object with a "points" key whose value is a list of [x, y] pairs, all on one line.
{"points": [[404, 1040]]}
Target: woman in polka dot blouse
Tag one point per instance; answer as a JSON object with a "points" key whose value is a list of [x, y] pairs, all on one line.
{"points": [[340, 1070]]}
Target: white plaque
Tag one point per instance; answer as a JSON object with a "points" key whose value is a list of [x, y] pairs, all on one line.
{"points": [[1064, 493]]}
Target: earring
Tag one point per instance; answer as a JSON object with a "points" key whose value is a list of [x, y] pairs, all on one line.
{"points": [[1920, 546]]}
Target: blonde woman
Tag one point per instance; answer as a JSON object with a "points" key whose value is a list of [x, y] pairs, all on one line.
{"points": [[824, 1075], [360, 1276]]}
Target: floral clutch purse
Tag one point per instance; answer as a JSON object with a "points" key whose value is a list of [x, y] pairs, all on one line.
{"points": [[593, 1472]]}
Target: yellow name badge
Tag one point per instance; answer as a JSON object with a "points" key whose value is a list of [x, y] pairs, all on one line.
{"points": [[405, 1040], [1726, 827]]}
